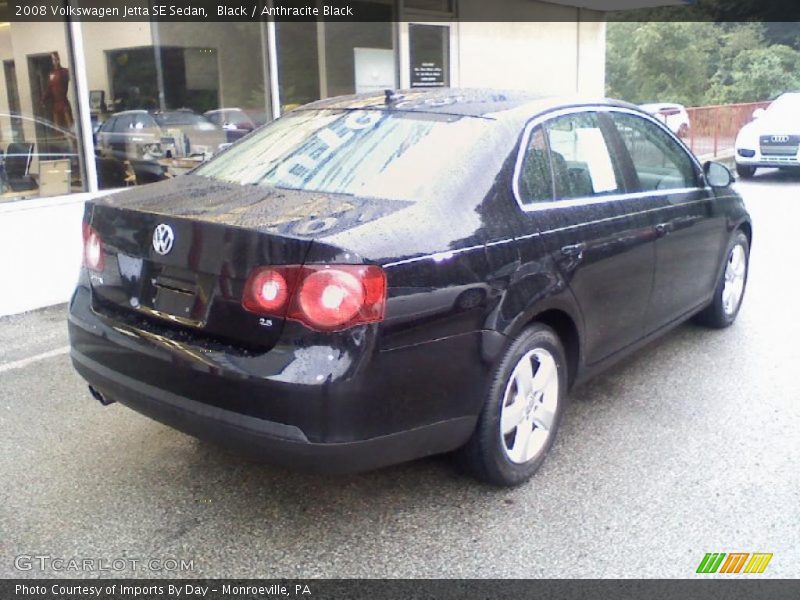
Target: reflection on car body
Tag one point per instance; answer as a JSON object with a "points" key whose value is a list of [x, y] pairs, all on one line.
{"points": [[363, 282]]}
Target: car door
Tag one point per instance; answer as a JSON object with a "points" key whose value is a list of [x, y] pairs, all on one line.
{"points": [[691, 229], [104, 136], [117, 138], [573, 192]]}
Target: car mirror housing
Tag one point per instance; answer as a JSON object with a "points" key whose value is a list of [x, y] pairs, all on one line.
{"points": [[758, 113], [717, 175]]}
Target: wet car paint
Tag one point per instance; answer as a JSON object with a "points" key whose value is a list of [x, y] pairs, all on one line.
{"points": [[459, 289]]}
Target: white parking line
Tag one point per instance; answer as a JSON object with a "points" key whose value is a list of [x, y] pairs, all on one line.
{"points": [[18, 364]]}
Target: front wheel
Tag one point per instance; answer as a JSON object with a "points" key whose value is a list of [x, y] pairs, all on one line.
{"points": [[745, 171], [522, 412], [729, 293]]}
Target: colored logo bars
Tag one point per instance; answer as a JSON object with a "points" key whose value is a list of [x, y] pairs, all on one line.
{"points": [[716, 562]]}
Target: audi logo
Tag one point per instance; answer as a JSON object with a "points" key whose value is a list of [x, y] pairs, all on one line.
{"points": [[163, 238], [780, 139]]}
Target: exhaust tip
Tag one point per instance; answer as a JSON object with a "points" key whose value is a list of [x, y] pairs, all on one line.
{"points": [[99, 397]]}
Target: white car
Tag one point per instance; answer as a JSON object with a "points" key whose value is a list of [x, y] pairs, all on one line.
{"points": [[672, 115], [772, 138]]}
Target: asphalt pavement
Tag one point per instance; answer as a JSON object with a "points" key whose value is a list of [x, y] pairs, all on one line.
{"points": [[691, 446]]}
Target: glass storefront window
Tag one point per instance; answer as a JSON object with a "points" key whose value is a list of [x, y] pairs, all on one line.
{"points": [[320, 60], [40, 151], [166, 97]]}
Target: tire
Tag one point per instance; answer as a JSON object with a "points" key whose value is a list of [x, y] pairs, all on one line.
{"points": [[511, 459], [723, 309], [745, 171]]}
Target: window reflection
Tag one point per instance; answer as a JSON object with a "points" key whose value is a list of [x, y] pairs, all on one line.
{"points": [[169, 96], [39, 149], [368, 153]]}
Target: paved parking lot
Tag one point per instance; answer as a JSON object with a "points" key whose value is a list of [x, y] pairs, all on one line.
{"points": [[691, 446]]}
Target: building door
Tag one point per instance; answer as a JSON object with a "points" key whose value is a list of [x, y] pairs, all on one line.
{"points": [[428, 55]]}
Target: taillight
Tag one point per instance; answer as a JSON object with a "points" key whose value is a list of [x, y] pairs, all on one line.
{"points": [[93, 256], [323, 297], [266, 291]]}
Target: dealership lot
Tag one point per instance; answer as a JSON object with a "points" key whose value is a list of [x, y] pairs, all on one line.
{"points": [[689, 447]]}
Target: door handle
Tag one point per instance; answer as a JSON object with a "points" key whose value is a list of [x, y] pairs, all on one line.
{"points": [[663, 229], [574, 251]]}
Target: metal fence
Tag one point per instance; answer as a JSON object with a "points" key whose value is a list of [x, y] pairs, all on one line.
{"points": [[713, 129]]}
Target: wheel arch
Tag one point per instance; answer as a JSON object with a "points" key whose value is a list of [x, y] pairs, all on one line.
{"points": [[747, 228], [567, 331]]}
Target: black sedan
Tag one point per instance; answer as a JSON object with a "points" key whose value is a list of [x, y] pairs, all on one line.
{"points": [[372, 279]]}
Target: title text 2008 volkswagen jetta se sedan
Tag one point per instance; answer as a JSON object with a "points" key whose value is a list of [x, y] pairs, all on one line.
{"points": [[372, 279]]}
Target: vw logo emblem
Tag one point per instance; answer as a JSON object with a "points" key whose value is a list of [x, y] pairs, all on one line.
{"points": [[780, 139], [163, 238]]}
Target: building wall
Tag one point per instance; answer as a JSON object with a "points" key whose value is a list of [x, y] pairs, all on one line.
{"points": [[40, 246], [556, 55]]}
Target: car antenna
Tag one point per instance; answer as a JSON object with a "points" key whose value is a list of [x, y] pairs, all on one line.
{"points": [[391, 96]]}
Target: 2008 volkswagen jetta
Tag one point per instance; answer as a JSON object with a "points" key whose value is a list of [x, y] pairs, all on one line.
{"points": [[372, 279]]}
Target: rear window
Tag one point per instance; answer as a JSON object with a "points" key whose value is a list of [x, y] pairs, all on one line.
{"points": [[373, 153], [184, 119]]}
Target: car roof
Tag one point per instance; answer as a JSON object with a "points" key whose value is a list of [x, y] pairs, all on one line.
{"points": [[472, 102]]}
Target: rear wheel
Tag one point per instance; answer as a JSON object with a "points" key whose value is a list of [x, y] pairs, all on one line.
{"points": [[745, 171], [521, 415], [728, 296]]}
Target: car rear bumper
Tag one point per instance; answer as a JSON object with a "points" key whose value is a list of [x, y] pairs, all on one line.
{"points": [[278, 443], [355, 422]]}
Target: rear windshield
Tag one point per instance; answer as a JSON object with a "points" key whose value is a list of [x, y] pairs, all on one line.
{"points": [[373, 153], [175, 119]]}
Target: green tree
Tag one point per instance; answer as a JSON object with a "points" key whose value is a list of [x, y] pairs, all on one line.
{"points": [[759, 74], [698, 63], [651, 62]]}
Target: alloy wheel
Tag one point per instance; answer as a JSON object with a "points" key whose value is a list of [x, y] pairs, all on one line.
{"points": [[529, 406], [735, 273]]}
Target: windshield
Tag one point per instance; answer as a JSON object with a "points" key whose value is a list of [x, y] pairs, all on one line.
{"points": [[375, 153], [785, 106]]}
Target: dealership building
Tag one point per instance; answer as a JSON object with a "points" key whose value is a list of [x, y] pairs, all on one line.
{"points": [[88, 107]]}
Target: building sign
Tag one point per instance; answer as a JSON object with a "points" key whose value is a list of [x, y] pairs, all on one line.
{"points": [[429, 55], [427, 74]]}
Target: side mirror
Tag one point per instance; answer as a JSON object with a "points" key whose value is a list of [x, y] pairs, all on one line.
{"points": [[717, 175], [758, 113]]}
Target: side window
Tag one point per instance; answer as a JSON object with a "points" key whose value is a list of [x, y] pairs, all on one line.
{"points": [[535, 177], [108, 126], [581, 162], [122, 124], [144, 121], [659, 161]]}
